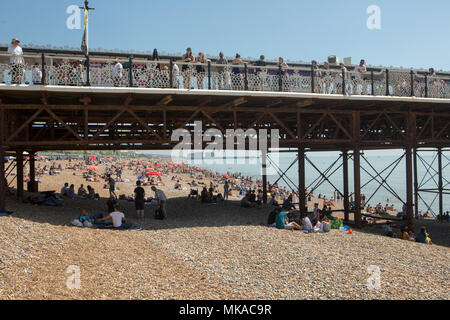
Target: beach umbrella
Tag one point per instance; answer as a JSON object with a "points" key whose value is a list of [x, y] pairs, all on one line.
{"points": [[226, 176], [92, 168], [153, 173]]}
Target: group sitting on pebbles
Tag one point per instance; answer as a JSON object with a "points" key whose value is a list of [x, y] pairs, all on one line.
{"points": [[406, 234]]}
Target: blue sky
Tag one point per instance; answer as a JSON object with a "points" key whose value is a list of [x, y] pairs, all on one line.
{"points": [[413, 33]]}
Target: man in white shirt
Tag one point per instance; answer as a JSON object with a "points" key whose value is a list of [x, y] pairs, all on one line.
{"points": [[117, 217], [361, 69], [16, 59], [117, 73], [162, 199]]}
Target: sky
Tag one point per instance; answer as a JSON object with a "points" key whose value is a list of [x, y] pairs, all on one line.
{"points": [[413, 33]]}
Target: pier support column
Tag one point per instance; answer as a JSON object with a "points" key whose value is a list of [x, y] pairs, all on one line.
{"points": [[32, 187], [2, 181], [264, 175], [303, 205], [357, 184], [357, 166], [440, 185], [409, 189], [345, 176], [19, 174], [416, 185]]}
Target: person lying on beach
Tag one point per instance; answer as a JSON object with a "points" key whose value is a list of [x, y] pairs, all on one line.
{"points": [[282, 222]]}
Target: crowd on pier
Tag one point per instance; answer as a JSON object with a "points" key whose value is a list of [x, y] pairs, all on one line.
{"points": [[190, 71]]}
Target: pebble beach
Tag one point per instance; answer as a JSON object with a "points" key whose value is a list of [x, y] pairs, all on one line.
{"points": [[206, 251]]}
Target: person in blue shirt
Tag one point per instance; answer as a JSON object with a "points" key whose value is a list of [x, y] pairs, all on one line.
{"points": [[282, 222], [423, 237]]}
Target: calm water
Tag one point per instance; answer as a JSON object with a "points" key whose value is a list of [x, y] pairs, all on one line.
{"points": [[379, 160]]}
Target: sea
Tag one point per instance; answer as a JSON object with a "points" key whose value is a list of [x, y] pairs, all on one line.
{"points": [[376, 166]]}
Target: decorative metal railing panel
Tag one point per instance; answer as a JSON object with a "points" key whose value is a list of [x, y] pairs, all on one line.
{"points": [[104, 72]]}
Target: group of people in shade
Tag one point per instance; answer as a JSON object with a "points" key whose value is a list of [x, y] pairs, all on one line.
{"points": [[114, 217]]}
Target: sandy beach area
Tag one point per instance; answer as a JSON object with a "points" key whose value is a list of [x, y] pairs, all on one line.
{"points": [[204, 251]]}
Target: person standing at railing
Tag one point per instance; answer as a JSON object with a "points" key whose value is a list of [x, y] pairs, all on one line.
{"points": [[36, 74], [221, 71], [187, 58], [260, 75], [282, 72], [16, 59], [117, 73], [342, 74], [360, 70], [327, 84], [317, 74], [175, 74], [200, 68], [236, 78]]}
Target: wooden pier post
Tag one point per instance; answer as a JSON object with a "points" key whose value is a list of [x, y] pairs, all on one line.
{"points": [[32, 187], [19, 176], [345, 177], [303, 204], [2, 181]]}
